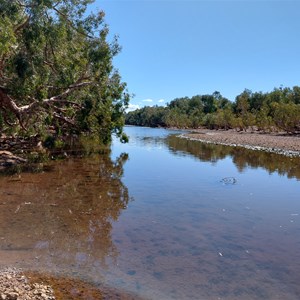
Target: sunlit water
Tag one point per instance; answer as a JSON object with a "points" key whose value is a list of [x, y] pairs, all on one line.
{"points": [[170, 219]]}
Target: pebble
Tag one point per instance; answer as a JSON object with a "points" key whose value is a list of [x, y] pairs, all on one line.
{"points": [[15, 286], [218, 139]]}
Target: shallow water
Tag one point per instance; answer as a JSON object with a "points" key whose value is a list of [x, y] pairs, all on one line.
{"points": [[172, 219]]}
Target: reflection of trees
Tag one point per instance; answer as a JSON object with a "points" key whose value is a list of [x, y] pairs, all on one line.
{"points": [[65, 216], [242, 157]]}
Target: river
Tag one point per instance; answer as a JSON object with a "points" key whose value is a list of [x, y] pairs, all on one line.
{"points": [[160, 218]]}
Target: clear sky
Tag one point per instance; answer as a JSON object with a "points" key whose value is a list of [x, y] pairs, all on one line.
{"points": [[174, 49]]}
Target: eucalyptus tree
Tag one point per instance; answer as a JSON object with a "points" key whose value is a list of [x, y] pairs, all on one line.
{"points": [[56, 70]]}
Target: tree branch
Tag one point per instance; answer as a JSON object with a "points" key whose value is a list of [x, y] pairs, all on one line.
{"points": [[5, 117], [64, 119], [23, 25], [70, 23], [7, 103], [69, 90]]}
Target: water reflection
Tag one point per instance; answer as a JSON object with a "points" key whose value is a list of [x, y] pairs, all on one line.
{"points": [[187, 235], [147, 137], [193, 236], [61, 220], [241, 157]]}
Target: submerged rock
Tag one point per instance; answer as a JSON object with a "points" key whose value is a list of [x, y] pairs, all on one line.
{"points": [[229, 180]]}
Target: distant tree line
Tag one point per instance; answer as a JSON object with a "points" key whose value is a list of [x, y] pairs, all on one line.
{"points": [[271, 111]]}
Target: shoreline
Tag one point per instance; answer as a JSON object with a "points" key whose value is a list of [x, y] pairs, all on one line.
{"points": [[278, 143], [19, 284]]}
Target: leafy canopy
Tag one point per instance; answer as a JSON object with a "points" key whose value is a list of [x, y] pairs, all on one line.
{"points": [[56, 71]]}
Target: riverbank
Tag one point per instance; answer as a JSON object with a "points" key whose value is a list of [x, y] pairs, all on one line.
{"points": [[279, 143], [18, 285]]}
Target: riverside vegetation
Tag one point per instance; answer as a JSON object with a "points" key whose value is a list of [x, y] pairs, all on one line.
{"points": [[56, 73], [57, 84], [278, 110]]}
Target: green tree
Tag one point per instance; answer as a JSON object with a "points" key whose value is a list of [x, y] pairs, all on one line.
{"points": [[56, 72], [225, 118], [209, 102], [242, 107], [264, 121], [242, 103], [263, 111], [296, 95], [256, 101], [287, 116]]}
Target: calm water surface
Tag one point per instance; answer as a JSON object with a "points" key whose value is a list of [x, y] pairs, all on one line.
{"points": [[161, 218]]}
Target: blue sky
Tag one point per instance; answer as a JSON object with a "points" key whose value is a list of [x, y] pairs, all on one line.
{"points": [[174, 49]]}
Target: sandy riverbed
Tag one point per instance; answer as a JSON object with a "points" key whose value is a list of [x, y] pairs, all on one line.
{"points": [[274, 142]]}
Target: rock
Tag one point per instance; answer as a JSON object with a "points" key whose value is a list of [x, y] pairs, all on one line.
{"points": [[12, 296], [14, 286]]}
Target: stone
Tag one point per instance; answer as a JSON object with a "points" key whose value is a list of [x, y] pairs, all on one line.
{"points": [[14, 286]]}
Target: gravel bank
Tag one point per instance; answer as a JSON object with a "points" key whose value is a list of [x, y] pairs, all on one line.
{"points": [[14, 285], [276, 143]]}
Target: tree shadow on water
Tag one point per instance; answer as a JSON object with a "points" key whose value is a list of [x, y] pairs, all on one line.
{"points": [[243, 158], [61, 221]]}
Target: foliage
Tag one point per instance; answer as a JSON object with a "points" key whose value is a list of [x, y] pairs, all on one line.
{"points": [[287, 116], [56, 72], [276, 110]]}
